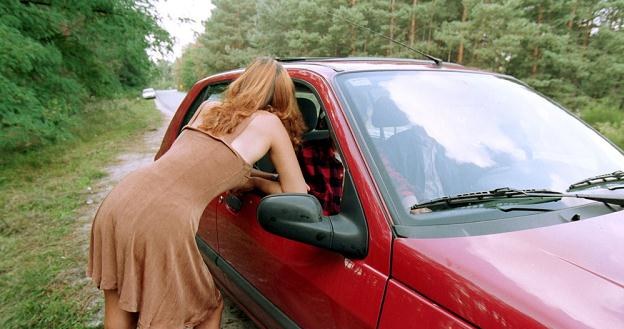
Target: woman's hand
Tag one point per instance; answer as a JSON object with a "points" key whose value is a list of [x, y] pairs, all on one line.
{"points": [[266, 175], [245, 187], [267, 186]]}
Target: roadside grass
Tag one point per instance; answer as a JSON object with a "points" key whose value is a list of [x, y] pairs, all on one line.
{"points": [[42, 260]]}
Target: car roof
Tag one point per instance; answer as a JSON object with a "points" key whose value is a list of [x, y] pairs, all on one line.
{"points": [[331, 66], [347, 64]]}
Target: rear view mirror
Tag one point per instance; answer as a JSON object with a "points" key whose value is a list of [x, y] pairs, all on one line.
{"points": [[298, 216]]}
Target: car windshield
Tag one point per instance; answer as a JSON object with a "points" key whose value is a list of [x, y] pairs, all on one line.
{"points": [[441, 133]]}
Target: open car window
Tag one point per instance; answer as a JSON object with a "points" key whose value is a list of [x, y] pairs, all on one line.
{"points": [[209, 93], [312, 112], [318, 157]]}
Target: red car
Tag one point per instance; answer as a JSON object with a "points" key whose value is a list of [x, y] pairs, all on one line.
{"points": [[466, 200]]}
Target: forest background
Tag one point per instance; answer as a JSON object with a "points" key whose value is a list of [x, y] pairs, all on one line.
{"points": [[57, 55], [71, 72], [570, 50]]}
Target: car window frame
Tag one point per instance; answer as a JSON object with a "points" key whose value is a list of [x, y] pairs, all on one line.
{"points": [[202, 96], [220, 86]]}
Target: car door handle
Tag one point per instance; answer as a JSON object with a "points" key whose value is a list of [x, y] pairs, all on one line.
{"points": [[233, 202]]}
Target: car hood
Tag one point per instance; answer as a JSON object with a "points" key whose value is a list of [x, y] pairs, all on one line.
{"points": [[567, 275]]}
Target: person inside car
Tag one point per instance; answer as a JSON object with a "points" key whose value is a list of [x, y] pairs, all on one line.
{"points": [[323, 169]]}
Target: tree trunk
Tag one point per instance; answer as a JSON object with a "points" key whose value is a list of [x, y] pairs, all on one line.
{"points": [[536, 50], [352, 28], [238, 44], [570, 23], [430, 33], [432, 17], [392, 2], [587, 33], [460, 50], [412, 31]]}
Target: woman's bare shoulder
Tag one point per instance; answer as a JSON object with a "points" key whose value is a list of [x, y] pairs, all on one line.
{"points": [[198, 118], [208, 105], [266, 119]]}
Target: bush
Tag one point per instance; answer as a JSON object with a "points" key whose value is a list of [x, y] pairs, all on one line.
{"points": [[606, 118], [54, 54]]}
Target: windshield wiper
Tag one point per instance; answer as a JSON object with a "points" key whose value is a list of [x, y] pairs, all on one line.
{"points": [[468, 199], [600, 179], [462, 200]]}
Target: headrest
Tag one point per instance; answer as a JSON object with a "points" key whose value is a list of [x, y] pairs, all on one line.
{"points": [[387, 114], [309, 113]]}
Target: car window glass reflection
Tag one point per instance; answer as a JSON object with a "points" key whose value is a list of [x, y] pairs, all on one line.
{"points": [[447, 133]]}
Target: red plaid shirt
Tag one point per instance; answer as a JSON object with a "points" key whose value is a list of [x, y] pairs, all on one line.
{"points": [[323, 173]]}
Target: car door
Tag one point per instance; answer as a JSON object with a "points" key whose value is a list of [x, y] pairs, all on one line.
{"points": [[298, 284]]}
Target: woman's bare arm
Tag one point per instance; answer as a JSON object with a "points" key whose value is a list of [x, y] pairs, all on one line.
{"points": [[285, 161], [266, 133], [263, 174], [266, 186], [265, 181]]}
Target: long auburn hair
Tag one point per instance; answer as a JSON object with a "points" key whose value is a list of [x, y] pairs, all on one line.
{"points": [[265, 85]]}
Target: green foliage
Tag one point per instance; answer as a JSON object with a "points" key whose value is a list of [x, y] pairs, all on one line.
{"points": [[55, 54], [601, 111], [226, 42], [162, 76], [602, 116], [42, 282], [570, 50]]}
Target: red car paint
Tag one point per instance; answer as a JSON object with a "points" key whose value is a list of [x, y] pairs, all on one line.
{"points": [[530, 278], [561, 276]]}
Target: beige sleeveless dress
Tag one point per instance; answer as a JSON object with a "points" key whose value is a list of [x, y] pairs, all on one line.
{"points": [[143, 235]]}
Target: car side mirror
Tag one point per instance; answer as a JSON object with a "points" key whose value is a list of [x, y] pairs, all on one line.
{"points": [[299, 217]]}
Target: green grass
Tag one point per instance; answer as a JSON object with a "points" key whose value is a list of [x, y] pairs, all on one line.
{"points": [[42, 259]]}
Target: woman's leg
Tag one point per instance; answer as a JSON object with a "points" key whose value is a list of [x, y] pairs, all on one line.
{"points": [[115, 317], [214, 320]]}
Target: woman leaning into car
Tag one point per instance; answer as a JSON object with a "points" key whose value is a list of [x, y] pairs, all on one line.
{"points": [[143, 253]]}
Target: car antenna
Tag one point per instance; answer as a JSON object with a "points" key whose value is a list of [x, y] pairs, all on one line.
{"points": [[436, 60]]}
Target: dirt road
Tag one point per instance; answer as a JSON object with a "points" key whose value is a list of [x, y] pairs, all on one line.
{"points": [[140, 155]]}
